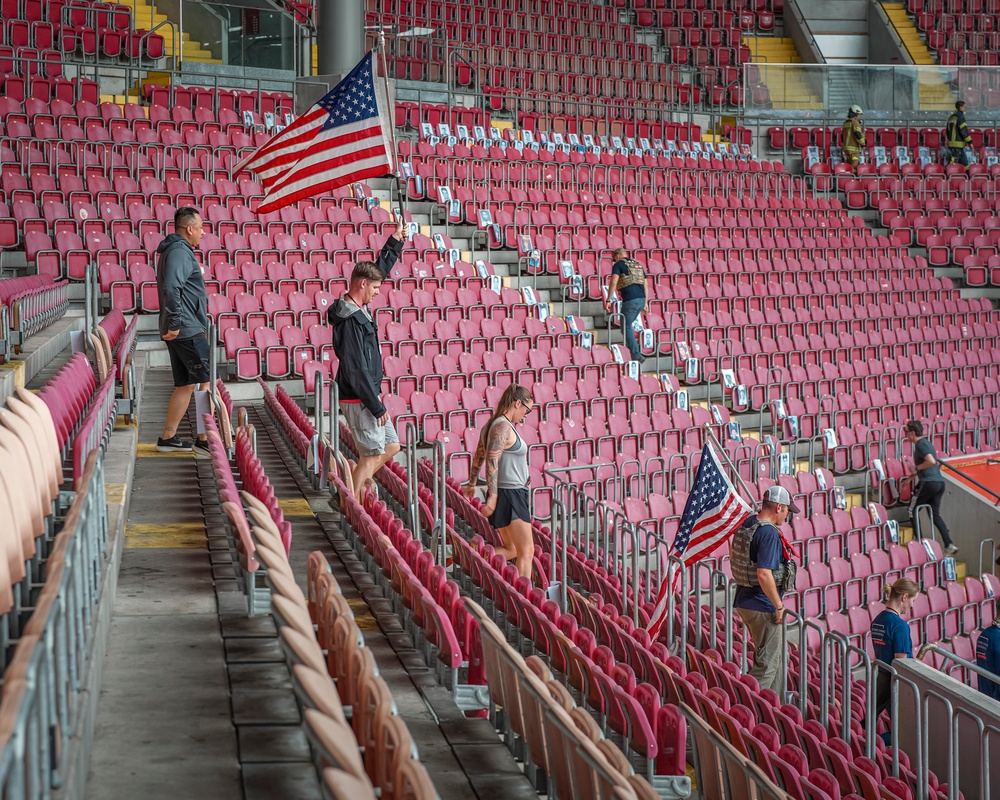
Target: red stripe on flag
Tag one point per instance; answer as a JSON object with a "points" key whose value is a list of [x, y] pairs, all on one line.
{"points": [[276, 203], [328, 165], [318, 145]]}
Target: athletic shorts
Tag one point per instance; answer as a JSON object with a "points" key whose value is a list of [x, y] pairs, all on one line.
{"points": [[189, 360], [511, 504], [370, 437]]}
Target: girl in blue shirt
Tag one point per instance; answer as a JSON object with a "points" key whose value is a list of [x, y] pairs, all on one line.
{"points": [[891, 638]]}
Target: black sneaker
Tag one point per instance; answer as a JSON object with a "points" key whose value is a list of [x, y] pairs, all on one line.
{"points": [[174, 444], [200, 447]]}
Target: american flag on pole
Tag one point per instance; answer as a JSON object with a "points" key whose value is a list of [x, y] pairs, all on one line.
{"points": [[343, 138], [712, 513]]}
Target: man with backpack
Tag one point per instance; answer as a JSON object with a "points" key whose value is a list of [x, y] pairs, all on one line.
{"points": [[628, 278], [763, 571]]}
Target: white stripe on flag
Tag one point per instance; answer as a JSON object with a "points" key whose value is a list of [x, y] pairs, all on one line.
{"points": [[281, 159], [309, 158]]}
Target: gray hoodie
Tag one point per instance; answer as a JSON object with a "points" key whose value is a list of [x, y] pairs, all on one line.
{"points": [[181, 287]]}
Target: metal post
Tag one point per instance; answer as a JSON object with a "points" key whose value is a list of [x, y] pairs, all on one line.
{"points": [[319, 411], [439, 505], [413, 509], [213, 363], [88, 321], [334, 407]]}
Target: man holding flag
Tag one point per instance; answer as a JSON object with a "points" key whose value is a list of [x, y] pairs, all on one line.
{"points": [[713, 511], [759, 563]]}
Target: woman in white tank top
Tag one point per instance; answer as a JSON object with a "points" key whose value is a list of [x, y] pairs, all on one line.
{"points": [[505, 454]]}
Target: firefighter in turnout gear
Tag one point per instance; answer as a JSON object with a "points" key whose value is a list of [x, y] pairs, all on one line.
{"points": [[958, 136], [762, 570], [853, 136]]}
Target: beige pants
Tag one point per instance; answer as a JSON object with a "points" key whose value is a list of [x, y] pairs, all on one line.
{"points": [[767, 646]]}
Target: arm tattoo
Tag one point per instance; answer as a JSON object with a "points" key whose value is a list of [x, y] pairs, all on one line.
{"points": [[478, 458], [499, 440]]}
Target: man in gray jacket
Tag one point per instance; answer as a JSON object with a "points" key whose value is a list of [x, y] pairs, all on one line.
{"points": [[183, 321]]}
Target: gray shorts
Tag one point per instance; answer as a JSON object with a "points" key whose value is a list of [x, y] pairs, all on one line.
{"points": [[370, 437]]}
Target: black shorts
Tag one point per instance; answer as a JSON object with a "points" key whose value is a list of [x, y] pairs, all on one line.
{"points": [[189, 360], [511, 504]]}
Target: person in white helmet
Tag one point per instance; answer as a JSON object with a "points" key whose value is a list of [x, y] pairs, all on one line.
{"points": [[853, 136]]}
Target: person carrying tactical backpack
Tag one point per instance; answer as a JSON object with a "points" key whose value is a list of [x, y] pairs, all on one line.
{"points": [[763, 569], [628, 278]]}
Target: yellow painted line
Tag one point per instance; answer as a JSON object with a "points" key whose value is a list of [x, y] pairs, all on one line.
{"points": [[362, 615], [148, 450], [176, 535], [115, 493], [121, 423], [295, 507], [17, 367]]}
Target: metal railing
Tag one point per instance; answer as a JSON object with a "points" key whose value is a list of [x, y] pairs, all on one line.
{"points": [[45, 686], [973, 481], [721, 769]]}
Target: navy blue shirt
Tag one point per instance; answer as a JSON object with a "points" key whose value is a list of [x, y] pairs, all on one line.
{"points": [[988, 658], [921, 450], [890, 635], [765, 553], [634, 292]]}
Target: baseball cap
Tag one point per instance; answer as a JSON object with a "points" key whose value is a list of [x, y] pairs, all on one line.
{"points": [[779, 495]]}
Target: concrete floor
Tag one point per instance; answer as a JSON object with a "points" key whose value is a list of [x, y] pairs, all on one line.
{"points": [[196, 699], [164, 722]]}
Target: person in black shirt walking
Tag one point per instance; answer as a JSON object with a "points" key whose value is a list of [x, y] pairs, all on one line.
{"points": [[930, 488]]}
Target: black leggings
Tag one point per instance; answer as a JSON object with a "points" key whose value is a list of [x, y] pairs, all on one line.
{"points": [[930, 494]]}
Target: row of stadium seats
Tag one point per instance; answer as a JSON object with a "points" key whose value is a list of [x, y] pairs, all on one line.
{"points": [[261, 539], [614, 651], [27, 305]]}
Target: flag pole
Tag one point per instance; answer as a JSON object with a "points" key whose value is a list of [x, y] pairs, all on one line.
{"points": [[392, 122], [748, 496]]}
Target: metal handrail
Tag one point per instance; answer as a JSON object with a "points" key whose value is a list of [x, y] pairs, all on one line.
{"points": [[973, 481], [178, 44], [932, 647]]}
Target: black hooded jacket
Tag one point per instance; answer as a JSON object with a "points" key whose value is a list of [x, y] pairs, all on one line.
{"points": [[181, 287], [355, 340]]}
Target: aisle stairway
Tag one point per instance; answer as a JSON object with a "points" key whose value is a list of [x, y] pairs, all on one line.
{"points": [[787, 86], [935, 92], [146, 17], [908, 33]]}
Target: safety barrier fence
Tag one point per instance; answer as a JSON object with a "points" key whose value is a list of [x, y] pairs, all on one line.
{"points": [[44, 686], [722, 770], [826, 667], [823, 672]]}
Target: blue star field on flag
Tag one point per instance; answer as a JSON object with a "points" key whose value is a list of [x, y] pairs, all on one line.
{"points": [[353, 99]]}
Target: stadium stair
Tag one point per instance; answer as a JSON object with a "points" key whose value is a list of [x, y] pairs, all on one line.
{"points": [[146, 17], [934, 96], [768, 50], [908, 33]]}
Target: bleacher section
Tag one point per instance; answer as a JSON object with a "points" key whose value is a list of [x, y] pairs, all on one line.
{"points": [[583, 61], [781, 324], [608, 663], [962, 32], [59, 539], [27, 305], [347, 707]]}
